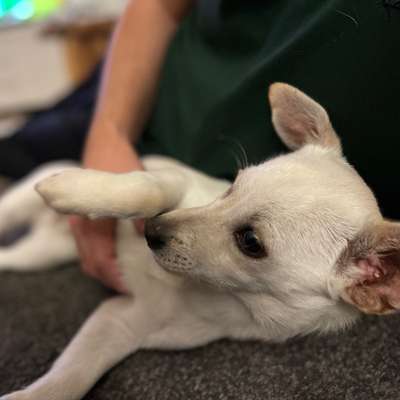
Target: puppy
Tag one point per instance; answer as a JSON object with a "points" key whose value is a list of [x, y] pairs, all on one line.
{"points": [[295, 245]]}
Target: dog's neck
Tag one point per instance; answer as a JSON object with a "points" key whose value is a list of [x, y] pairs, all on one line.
{"points": [[282, 319]]}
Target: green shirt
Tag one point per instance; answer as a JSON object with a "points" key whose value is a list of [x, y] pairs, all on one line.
{"points": [[344, 53]]}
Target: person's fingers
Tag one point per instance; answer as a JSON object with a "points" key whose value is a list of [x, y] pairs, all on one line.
{"points": [[76, 225], [110, 275], [80, 232], [96, 246], [139, 225]]}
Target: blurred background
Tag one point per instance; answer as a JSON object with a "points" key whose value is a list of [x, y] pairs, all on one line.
{"points": [[47, 48]]}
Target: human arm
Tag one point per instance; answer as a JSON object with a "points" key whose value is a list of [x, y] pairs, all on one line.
{"points": [[128, 87]]}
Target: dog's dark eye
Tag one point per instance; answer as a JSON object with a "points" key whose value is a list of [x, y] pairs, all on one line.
{"points": [[249, 244]]}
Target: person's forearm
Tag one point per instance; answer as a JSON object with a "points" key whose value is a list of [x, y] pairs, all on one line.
{"points": [[133, 65], [128, 86]]}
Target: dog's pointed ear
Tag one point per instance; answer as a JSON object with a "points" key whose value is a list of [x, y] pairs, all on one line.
{"points": [[371, 270], [299, 120]]}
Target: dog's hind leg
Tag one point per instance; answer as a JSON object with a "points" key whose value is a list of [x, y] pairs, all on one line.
{"points": [[96, 194], [48, 244]]}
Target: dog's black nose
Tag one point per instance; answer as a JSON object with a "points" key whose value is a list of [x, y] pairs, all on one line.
{"points": [[155, 242], [153, 237]]}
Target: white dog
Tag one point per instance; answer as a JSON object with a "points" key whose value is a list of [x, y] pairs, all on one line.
{"points": [[296, 244]]}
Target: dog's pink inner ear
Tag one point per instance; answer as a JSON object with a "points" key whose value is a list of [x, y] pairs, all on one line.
{"points": [[372, 268], [376, 288]]}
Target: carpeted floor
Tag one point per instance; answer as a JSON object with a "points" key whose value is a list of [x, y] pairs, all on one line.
{"points": [[40, 312]]}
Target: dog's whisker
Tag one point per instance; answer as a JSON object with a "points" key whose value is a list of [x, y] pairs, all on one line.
{"points": [[242, 157], [242, 152], [239, 162], [350, 17]]}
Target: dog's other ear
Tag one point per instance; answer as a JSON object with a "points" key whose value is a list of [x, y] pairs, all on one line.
{"points": [[299, 120], [371, 267]]}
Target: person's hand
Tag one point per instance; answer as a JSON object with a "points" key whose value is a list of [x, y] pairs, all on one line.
{"points": [[95, 240]]}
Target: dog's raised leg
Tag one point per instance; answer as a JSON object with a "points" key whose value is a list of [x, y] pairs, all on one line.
{"points": [[96, 194]]}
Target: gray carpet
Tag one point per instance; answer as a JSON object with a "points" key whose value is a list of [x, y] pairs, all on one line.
{"points": [[40, 312]]}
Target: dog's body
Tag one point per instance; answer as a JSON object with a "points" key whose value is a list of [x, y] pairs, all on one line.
{"points": [[295, 245]]}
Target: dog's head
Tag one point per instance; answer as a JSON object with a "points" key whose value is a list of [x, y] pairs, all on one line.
{"points": [[301, 231]]}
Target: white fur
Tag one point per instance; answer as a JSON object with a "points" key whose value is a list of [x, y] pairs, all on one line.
{"points": [[306, 206]]}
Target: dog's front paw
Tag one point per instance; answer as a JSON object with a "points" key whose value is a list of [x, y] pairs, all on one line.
{"points": [[66, 191]]}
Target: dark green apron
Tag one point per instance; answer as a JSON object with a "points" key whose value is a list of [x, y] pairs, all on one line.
{"points": [[343, 53]]}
